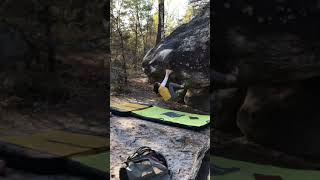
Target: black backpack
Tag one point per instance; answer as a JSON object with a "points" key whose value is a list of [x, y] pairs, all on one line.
{"points": [[145, 164]]}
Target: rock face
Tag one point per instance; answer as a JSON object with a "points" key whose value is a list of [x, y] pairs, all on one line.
{"points": [[225, 106], [283, 116], [187, 52], [183, 149], [268, 43], [275, 47]]}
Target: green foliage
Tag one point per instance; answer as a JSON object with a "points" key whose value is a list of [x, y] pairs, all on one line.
{"points": [[189, 14], [170, 24], [155, 18], [132, 31]]}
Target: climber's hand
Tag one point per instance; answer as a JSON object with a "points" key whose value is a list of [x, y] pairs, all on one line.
{"points": [[169, 71]]}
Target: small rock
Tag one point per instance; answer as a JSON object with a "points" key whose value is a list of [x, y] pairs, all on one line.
{"points": [[181, 139]]}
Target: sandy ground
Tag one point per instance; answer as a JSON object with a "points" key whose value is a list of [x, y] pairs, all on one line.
{"points": [[179, 146]]}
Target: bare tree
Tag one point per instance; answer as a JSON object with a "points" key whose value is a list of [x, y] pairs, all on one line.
{"points": [[160, 34], [49, 22], [124, 63]]}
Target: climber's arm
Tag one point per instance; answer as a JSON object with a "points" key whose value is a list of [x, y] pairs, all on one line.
{"points": [[165, 80]]}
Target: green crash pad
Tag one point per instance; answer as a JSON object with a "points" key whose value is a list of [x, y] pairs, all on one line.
{"points": [[59, 143], [248, 170], [97, 161], [172, 117]]}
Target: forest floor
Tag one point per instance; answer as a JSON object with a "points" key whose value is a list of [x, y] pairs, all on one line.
{"points": [[139, 90], [84, 108], [83, 76], [180, 146]]}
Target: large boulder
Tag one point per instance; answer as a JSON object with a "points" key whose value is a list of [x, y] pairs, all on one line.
{"points": [[186, 51], [276, 41], [274, 45], [283, 116]]}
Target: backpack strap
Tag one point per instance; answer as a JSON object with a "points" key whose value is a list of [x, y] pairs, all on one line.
{"points": [[140, 152]]}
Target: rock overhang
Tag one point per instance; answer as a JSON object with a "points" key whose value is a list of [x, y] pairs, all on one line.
{"points": [[185, 50]]}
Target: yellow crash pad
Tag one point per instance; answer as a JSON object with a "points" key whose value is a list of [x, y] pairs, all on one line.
{"points": [[126, 106], [58, 142]]}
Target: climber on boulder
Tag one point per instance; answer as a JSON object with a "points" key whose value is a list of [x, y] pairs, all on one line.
{"points": [[169, 93]]}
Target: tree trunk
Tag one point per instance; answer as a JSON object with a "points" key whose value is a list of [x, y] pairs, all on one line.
{"points": [[106, 22], [160, 34], [145, 38], [124, 64], [50, 40], [141, 34], [136, 44]]}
